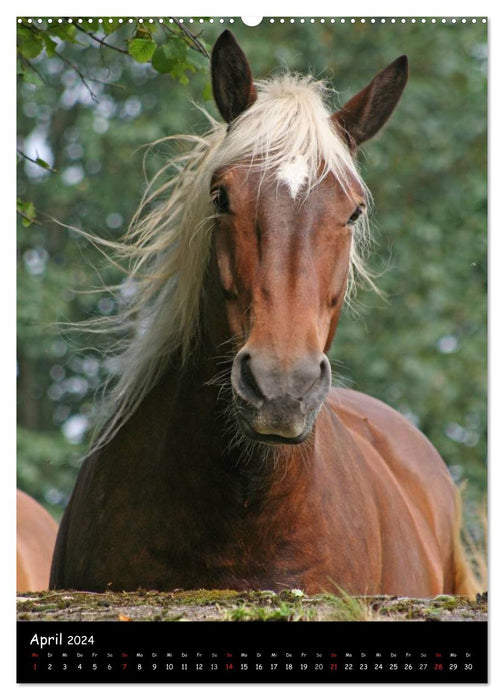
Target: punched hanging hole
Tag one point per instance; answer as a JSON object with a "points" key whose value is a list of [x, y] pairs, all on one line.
{"points": [[251, 21]]}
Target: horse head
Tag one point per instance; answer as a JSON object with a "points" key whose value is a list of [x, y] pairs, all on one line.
{"points": [[286, 210]]}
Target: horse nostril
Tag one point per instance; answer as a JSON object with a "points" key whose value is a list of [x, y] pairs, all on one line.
{"points": [[317, 381], [325, 368], [319, 389], [245, 381]]}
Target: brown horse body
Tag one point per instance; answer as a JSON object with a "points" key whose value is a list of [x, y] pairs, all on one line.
{"points": [[368, 506], [314, 488], [36, 535]]}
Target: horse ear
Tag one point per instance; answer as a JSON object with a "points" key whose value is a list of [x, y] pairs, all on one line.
{"points": [[366, 113], [232, 84]]}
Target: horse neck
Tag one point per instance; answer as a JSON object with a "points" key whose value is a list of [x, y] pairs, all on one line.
{"points": [[194, 436]]}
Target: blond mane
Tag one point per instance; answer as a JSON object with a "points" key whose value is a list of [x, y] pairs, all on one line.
{"points": [[167, 246]]}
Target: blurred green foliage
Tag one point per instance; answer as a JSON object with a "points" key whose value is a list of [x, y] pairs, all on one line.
{"points": [[91, 107]]}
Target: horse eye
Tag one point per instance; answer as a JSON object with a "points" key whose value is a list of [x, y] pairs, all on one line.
{"points": [[220, 200], [351, 221]]}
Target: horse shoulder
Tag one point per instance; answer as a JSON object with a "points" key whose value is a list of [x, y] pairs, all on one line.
{"points": [[410, 479], [405, 449]]}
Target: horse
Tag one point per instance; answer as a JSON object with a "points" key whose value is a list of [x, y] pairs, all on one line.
{"points": [[36, 536], [228, 460]]}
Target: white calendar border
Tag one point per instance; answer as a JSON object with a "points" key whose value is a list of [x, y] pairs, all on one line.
{"points": [[273, 8]]}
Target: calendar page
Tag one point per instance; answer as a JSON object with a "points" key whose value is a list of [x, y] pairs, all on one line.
{"points": [[252, 349]]}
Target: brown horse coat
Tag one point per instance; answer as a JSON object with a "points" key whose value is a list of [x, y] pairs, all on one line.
{"points": [[36, 535], [372, 510]]}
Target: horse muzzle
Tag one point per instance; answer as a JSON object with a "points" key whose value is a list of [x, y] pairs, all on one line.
{"points": [[274, 405]]}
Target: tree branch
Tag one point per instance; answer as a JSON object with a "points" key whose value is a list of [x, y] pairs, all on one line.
{"points": [[36, 161], [194, 42], [101, 41], [80, 74]]}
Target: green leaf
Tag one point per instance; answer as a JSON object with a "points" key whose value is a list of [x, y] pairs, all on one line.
{"points": [[142, 32], [27, 211], [141, 49], [50, 45], [181, 77], [31, 77], [29, 42], [64, 31], [169, 56], [44, 164]]}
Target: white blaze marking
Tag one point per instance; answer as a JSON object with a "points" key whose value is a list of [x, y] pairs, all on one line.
{"points": [[294, 173]]}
